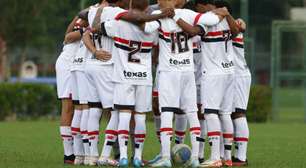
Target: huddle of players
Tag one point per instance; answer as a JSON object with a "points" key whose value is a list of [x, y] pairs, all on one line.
{"points": [[106, 64]]}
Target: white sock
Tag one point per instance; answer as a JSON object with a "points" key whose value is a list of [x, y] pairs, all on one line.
{"points": [[140, 135], [227, 130], [93, 130], [166, 133], [67, 140], [76, 133], [195, 132], [84, 131], [111, 134], [157, 126], [213, 133], [180, 128], [203, 136], [241, 138], [123, 133]]}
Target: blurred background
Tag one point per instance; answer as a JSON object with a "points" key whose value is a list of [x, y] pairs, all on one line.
{"points": [[32, 32]]}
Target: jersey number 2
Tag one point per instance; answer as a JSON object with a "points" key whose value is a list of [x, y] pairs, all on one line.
{"points": [[136, 47]]}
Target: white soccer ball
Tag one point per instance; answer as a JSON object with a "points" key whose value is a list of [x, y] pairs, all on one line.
{"points": [[180, 154]]}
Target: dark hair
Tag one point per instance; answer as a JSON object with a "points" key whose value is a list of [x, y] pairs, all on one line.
{"points": [[83, 14], [140, 4], [204, 2], [112, 1], [223, 3], [190, 5]]}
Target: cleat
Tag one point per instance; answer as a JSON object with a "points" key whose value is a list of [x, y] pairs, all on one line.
{"points": [[69, 160], [239, 163], [93, 161], [201, 160], [211, 163], [194, 162], [138, 163], [79, 160], [163, 162], [124, 162], [86, 160], [157, 158], [107, 162], [227, 163]]}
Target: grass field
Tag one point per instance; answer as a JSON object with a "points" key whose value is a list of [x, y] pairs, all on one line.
{"points": [[37, 144]]}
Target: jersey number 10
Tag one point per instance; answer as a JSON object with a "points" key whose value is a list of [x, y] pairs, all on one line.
{"points": [[181, 41]]}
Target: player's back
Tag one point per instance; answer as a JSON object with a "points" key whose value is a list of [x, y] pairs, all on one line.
{"points": [[217, 50], [175, 46], [131, 52]]}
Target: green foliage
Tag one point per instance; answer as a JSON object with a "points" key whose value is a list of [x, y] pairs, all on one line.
{"points": [[27, 100], [260, 104]]}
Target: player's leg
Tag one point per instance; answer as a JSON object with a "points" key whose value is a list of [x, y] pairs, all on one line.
{"points": [[124, 101], [241, 137], [189, 106], [169, 88], [211, 98], [83, 96], [76, 122], [63, 80], [95, 112], [180, 127]]}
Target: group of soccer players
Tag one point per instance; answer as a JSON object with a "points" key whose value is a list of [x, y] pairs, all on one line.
{"points": [[201, 80]]}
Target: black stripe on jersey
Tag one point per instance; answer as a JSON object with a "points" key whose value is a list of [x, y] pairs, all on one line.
{"points": [[238, 45], [126, 48], [164, 38], [213, 40], [211, 111], [123, 107], [95, 105]]}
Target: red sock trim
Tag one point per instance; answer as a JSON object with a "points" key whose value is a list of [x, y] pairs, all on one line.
{"points": [[195, 129], [228, 135], [93, 133], [112, 132], [140, 135], [84, 132], [214, 133], [74, 129], [241, 139], [166, 130], [125, 132], [180, 133]]}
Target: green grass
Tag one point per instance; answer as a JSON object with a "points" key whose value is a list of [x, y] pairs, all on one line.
{"points": [[38, 144]]}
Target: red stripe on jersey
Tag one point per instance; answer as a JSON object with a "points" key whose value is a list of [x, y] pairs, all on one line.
{"points": [[240, 139], [228, 136], [197, 18], [167, 34], [127, 42], [140, 135], [125, 132], [93, 133], [195, 129], [237, 40], [165, 129], [120, 15], [217, 33], [112, 132], [214, 134], [179, 133]]}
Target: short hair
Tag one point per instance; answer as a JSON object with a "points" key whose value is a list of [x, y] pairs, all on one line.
{"points": [[83, 14], [190, 5], [140, 4], [205, 2], [223, 3], [112, 1]]}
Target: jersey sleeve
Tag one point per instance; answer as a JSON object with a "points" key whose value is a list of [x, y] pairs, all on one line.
{"points": [[207, 19], [151, 27]]}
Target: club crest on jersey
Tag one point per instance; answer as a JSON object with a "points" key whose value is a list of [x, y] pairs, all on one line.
{"points": [[179, 63], [227, 65], [135, 75]]}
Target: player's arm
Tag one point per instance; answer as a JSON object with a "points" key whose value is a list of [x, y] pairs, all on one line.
{"points": [[155, 54], [73, 36], [242, 25], [234, 27], [71, 25]]}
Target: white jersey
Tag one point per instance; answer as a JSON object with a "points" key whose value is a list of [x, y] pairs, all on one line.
{"points": [[241, 67], [175, 46], [131, 53], [197, 59], [217, 50], [103, 42]]}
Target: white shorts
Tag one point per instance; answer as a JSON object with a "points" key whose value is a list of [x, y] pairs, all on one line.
{"points": [[155, 85], [100, 85], [177, 91], [133, 97], [217, 94], [198, 94], [79, 87], [63, 78], [241, 93]]}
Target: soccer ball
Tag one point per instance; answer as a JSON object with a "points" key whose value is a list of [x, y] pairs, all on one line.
{"points": [[180, 154]]}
